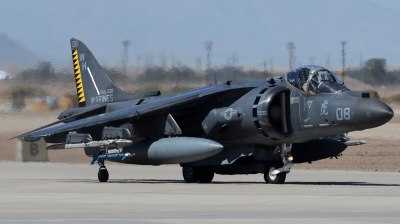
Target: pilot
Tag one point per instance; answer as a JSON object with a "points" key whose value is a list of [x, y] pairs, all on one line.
{"points": [[303, 80], [304, 85], [314, 81]]}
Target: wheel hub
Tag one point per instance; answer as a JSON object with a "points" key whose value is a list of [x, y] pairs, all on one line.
{"points": [[271, 176], [189, 171]]}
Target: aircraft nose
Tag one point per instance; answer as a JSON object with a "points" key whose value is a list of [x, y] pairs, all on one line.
{"points": [[370, 113]]}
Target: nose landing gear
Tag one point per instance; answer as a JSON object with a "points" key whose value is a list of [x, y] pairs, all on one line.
{"points": [[271, 178], [275, 175]]}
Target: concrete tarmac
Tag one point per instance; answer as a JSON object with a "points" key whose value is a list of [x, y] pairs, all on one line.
{"points": [[71, 193]]}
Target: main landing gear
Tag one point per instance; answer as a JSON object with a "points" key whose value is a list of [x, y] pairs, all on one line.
{"points": [[197, 174]]}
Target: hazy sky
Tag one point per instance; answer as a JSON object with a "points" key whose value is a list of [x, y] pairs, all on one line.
{"points": [[254, 30]]}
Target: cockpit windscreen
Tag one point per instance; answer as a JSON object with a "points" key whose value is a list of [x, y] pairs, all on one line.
{"points": [[315, 80]]}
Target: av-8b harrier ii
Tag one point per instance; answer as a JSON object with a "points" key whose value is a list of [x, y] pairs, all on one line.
{"points": [[247, 127]]}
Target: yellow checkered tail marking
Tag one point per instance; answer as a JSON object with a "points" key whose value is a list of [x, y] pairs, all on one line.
{"points": [[78, 79]]}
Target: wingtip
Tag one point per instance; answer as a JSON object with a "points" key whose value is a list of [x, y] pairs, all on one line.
{"points": [[26, 138], [18, 136]]}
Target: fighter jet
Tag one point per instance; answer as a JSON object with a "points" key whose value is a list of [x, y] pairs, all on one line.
{"points": [[247, 127]]}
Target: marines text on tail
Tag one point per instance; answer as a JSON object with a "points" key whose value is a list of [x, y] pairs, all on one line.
{"points": [[248, 127]]}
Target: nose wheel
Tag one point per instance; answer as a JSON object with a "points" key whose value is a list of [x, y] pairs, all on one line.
{"points": [[103, 174], [274, 178]]}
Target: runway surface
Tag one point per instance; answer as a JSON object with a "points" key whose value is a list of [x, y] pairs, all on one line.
{"points": [[65, 193]]}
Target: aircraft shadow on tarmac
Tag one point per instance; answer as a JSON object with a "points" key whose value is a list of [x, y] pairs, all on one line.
{"points": [[157, 181]]}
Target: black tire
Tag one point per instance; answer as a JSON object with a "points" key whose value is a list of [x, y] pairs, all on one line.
{"points": [[103, 175], [274, 179], [206, 175], [190, 174]]}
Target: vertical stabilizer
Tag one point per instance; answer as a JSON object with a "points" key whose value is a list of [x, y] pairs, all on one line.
{"points": [[93, 86]]}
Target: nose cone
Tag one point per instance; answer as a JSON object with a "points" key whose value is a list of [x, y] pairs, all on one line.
{"points": [[370, 113]]}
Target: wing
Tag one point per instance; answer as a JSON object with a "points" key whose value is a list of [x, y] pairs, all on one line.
{"points": [[127, 115], [76, 116]]}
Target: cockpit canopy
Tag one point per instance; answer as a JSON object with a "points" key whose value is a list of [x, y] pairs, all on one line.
{"points": [[313, 79]]}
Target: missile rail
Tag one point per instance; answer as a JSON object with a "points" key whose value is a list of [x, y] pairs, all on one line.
{"points": [[118, 143]]}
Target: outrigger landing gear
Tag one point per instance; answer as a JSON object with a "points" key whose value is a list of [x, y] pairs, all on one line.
{"points": [[100, 157], [103, 174]]}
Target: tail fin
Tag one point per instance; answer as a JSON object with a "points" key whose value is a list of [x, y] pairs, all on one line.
{"points": [[93, 85]]}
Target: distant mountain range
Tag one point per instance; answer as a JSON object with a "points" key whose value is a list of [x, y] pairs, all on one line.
{"points": [[13, 53]]}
